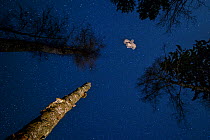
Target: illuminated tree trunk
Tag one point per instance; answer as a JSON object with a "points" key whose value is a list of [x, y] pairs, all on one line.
{"points": [[40, 127]]}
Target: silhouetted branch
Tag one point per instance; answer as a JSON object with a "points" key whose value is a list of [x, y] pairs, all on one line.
{"points": [[170, 11], [182, 68], [27, 34], [23, 30]]}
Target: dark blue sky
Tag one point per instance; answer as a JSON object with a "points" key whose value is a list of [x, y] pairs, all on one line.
{"points": [[112, 109]]}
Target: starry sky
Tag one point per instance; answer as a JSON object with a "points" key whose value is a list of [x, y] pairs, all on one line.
{"points": [[112, 109]]}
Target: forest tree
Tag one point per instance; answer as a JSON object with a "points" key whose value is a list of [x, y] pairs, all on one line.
{"points": [[186, 68], [40, 127], [169, 12], [45, 32]]}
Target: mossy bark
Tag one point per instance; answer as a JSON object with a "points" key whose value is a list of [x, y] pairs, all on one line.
{"points": [[40, 127]]}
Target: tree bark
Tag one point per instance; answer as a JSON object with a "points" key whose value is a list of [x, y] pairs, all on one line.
{"points": [[40, 127]]}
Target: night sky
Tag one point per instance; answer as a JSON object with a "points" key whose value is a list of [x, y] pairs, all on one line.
{"points": [[112, 109]]}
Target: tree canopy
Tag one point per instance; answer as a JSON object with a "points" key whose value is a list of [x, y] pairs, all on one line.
{"points": [[169, 11], [186, 68], [43, 27], [46, 31], [169, 75]]}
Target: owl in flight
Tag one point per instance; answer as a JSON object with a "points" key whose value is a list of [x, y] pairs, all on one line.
{"points": [[130, 44]]}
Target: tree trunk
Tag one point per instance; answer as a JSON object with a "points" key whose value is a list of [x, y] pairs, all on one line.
{"points": [[11, 45], [40, 127]]}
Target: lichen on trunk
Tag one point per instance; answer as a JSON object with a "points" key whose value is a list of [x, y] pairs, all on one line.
{"points": [[40, 127]]}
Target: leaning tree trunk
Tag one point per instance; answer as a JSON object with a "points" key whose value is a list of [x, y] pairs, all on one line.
{"points": [[40, 127], [11, 45]]}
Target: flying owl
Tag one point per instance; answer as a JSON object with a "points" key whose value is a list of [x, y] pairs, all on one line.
{"points": [[130, 44]]}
